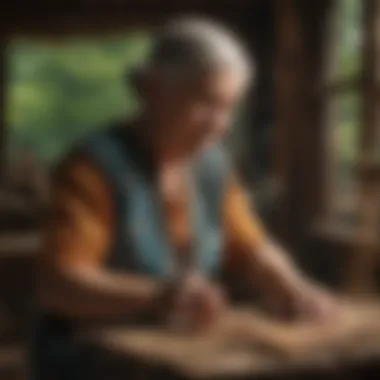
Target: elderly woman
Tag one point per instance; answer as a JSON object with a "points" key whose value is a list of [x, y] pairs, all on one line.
{"points": [[145, 214]]}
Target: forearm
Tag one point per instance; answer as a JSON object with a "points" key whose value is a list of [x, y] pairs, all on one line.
{"points": [[272, 271], [83, 292]]}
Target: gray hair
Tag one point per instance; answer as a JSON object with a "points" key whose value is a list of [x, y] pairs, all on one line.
{"points": [[190, 45]]}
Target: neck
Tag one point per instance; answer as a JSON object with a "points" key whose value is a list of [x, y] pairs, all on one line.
{"points": [[160, 145]]}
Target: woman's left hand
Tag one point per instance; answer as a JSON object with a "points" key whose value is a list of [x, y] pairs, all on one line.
{"points": [[198, 304]]}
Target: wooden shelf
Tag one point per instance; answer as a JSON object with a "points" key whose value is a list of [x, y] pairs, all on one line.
{"points": [[338, 232], [19, 243]]}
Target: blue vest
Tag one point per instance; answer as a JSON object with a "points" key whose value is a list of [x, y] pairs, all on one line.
{"points": [[141, 244]]}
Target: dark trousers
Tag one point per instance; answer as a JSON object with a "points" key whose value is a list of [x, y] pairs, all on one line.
{"points": [[53, 353]]}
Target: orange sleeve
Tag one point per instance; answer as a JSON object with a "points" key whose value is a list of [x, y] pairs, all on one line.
{"points": [[80, 218], [242, 227]]}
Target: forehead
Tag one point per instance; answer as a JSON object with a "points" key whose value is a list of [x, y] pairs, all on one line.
{"points": [[218, 81]]}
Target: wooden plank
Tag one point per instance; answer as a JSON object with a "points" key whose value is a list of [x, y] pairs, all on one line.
{"points": [[344, 233], [288, 71], [45, 19], [299, 140], [246, 343], [19, 244], [312, 182], [370, 129]]}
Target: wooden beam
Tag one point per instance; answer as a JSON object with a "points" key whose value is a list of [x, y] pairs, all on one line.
{"points": [[312, 135], [3, 84], [369, 138], [288, 63], [299, 135], [44, 19]]}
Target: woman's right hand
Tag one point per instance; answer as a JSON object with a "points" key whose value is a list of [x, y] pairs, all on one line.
{"points": [[192, 303]]}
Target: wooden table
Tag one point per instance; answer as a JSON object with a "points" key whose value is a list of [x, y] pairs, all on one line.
{"points": [[245, 346]]}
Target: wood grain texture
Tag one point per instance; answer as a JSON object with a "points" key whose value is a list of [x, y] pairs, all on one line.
{"points": [[247, 343]]}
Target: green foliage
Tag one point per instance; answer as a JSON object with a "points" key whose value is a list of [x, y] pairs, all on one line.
{"points": [[349, 21], [59, 92]]}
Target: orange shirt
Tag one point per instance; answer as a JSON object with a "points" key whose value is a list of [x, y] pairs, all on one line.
{"points": [[81, 221]]}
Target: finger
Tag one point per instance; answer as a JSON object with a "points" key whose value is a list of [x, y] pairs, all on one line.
{"points": [[206, 310]]}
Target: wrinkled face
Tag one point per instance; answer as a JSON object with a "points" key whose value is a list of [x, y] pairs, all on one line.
{"points": [[196, 111]]}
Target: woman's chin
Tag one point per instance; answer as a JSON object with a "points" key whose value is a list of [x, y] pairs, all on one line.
{"points": [[207, 145]]}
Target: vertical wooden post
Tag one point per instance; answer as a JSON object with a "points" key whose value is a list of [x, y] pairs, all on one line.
{"points": [[299, 134], [370, 130], [316, 132], [3, 45], [360, 273], [288, 88]]}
